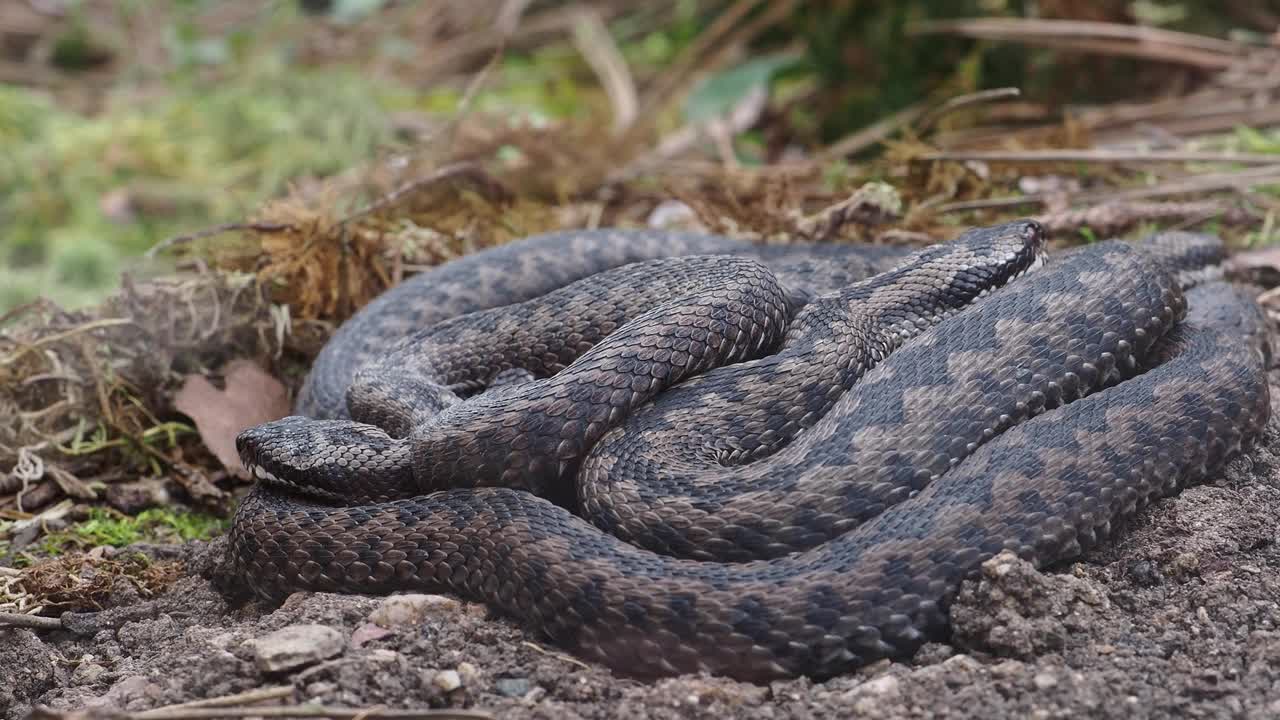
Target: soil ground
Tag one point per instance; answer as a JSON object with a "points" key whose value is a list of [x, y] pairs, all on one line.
{"points": [[1178, 617]]}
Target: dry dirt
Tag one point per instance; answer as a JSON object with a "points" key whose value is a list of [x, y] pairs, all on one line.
{"points": [[1178, 617]]}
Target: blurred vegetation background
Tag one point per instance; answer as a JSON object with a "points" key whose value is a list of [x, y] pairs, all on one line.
{"points": [[126, 122]]}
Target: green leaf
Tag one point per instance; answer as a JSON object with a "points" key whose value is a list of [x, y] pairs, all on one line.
{"points": [[720, 93]]}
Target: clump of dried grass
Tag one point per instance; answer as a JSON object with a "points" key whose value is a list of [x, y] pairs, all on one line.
{"points": [[85, 393], [84, 582]]}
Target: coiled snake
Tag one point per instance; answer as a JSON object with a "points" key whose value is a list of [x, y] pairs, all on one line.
{"points": [[785, 490]]}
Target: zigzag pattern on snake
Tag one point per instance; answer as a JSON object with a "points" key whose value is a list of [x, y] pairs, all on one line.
{"points": [[1031, 421]]}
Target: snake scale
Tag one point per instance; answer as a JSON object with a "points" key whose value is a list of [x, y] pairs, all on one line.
{"points": [[783, 459]]}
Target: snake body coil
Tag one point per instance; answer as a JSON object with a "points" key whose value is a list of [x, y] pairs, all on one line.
{"points": [[840, 518]]}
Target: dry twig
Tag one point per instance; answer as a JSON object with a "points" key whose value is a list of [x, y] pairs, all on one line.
{"points": [[35, 622], [289, 711]]}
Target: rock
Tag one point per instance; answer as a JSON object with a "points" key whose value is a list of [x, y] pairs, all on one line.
{"points": [[132, 498], [133, 688], [296, 646], [1143, 573], [87, 673], [1013, 610], [511, 687], [674, 214], [32, 663], [447, 680], [401, 610], [870, 697], [961, 663], [145, 634], [932, 654], [1045, 681], [320, 689]]}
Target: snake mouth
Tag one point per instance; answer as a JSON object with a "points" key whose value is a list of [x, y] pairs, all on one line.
{"points": [[258, 472], [1039, 259], [325, 459], [294, 481], [274, 453]]}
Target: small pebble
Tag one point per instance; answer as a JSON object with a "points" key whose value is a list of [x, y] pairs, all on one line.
{"points": [[320, 689], [883, 686], [295, 646], [960, 663], [537, 693], [469, 673], [447, 680], [1045, 680], [412, 609], [1007, 668], [87, 673], [511, 687]]}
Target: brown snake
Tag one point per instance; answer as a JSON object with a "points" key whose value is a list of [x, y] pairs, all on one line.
{"points": [[1029, 420]]}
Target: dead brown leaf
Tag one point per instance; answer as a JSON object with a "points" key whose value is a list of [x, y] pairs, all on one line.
{"points": [[251, 397]]}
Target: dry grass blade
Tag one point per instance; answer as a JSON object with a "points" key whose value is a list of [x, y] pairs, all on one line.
{"points": [[559, 656], [871, 135], [1199, 49], [1102, 156], [25, 348], [486, 183], [595, 43], [1203, 183], [511, 28], [962, 101], [919, 115], [248, 697], [210, 232]]}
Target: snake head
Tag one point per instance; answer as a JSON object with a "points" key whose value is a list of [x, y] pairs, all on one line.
{"points": [[1002, 253], [327, 459], [945, 278]]}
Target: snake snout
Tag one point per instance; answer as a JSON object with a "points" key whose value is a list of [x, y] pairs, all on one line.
{"points": [[1029, 245], [266, 450]]}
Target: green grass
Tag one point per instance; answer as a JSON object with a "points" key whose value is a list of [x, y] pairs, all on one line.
{"points": [[105, 527], [83, 194], [87, 192]]}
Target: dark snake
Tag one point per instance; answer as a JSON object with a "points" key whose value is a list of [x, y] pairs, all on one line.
{"points": [[806, 531]]}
